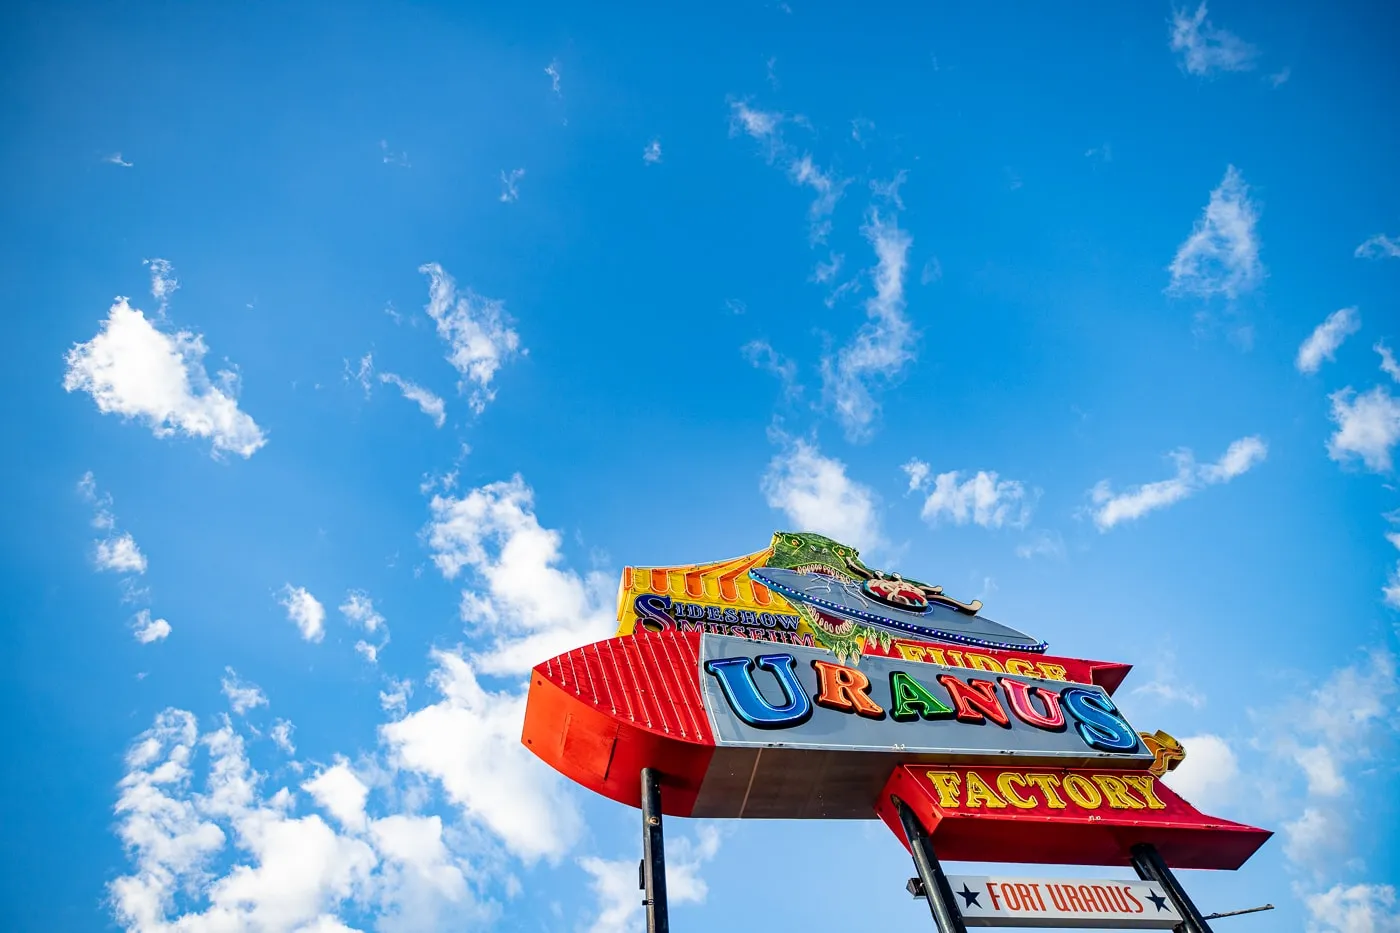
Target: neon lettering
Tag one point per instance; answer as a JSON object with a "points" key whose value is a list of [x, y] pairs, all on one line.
{"points": [[735, 676], [1004, 782], [1082, 791], [1047, 784], [1116, 793], [947, 783], [1146, 785], [976, 700], [911, 700], [1020, 697], [1099, 725], [979, 792], [845, 689]]}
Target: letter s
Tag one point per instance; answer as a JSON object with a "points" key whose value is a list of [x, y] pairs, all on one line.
{"points": [[1100, 724], [652, 612]]}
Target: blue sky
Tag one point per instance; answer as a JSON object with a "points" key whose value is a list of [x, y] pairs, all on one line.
{"points": [[436, 317]]}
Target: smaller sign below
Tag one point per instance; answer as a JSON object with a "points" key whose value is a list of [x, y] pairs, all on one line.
{"points": [[1115, 904]]}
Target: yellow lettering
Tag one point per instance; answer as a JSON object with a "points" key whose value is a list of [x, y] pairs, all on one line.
{"points": [[1047, 784], [1020, 666], [957, 658], [1146, 785], [1116, 793], [910, 652], [980, 793], [1004, 782], [1082, 791], [1053, 671], [982, 662], [947, 784], [937, 655]]}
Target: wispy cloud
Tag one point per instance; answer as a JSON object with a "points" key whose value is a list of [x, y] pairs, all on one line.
{"points": [[815, 494], [1323, 342], [766, 128], [552, 69], [884, 343], [242, 695], [1388, 364], [390, 157], [652, 153], [121, 554], [428, 403], [1280, 78], [614, 883], [1368, 426], [983, 498], [1379, 246], [1204, 49], [115, 158], [359, 611], [1221, 256], [1111, 508], [477, 332], [1042, 544], [510, 185], [761, 355]]}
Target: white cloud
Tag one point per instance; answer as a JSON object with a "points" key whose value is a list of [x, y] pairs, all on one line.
{"points": [[1321, 734], [761, 125], [475, 329], [816, 495], [1279, 78], [761, 355], [340, 792], [281, 735], [1042, 544], [428, 403], [120, 553], [390, 157], [394, 699], [1379, 246], [1356, 908], [1323, 342], [469, 742], [115, 158], [884, 343], [1221, 256], [918, 473], [1368, 426], [1205, 49], [552, 69], [652, 153], [982, 499], [134, 369], [359, 609], [1137, 501], [889, 190], [163, 282], [1166, 684], [102, 516], [1208, 775], [1390, 593], [1388, 364], [828, 188], [242, 695], [614, 882], [533, 606], [510, 185], [305, 611], [146, 630]]}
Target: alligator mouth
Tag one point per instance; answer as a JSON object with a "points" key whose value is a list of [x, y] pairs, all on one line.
{"points": [[833, 625], [824, 570]]}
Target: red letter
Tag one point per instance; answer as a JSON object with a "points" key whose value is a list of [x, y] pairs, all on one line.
{"points": [[975, 701], [1128, 892], [845, 689], [1019, 695]]}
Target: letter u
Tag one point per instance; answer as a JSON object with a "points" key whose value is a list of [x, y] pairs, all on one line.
{"points": [[735, 676]]}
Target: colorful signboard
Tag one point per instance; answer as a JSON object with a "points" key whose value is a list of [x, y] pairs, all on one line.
{"points": [[1117, 903], [797, 682]]}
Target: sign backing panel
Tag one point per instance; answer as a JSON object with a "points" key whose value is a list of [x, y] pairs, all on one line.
{"points": [[1059, 903]]}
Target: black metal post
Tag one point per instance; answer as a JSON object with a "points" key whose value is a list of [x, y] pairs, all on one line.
{"points": [[653, 854], [946, 917], [1150, 866]]}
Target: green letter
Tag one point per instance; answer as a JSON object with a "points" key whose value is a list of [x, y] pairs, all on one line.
{"points": [[911, 700]]}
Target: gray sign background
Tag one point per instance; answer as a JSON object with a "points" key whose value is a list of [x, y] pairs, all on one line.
{"points": [[834, 730]]}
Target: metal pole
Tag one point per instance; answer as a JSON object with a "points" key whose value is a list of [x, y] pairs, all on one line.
{"points": [[946, 917], [653, 854], [1236, 913], [1150, 866]]}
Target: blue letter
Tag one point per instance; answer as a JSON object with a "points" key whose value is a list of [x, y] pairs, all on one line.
{"points": [[1100, 724], [735, 676]]}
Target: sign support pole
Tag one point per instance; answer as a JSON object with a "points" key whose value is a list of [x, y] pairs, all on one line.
{"points": [[1150, 866], [946, 918], [653, 854]]}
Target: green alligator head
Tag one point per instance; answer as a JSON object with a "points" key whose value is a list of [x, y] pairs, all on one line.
{"points": [[812, 553]]}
